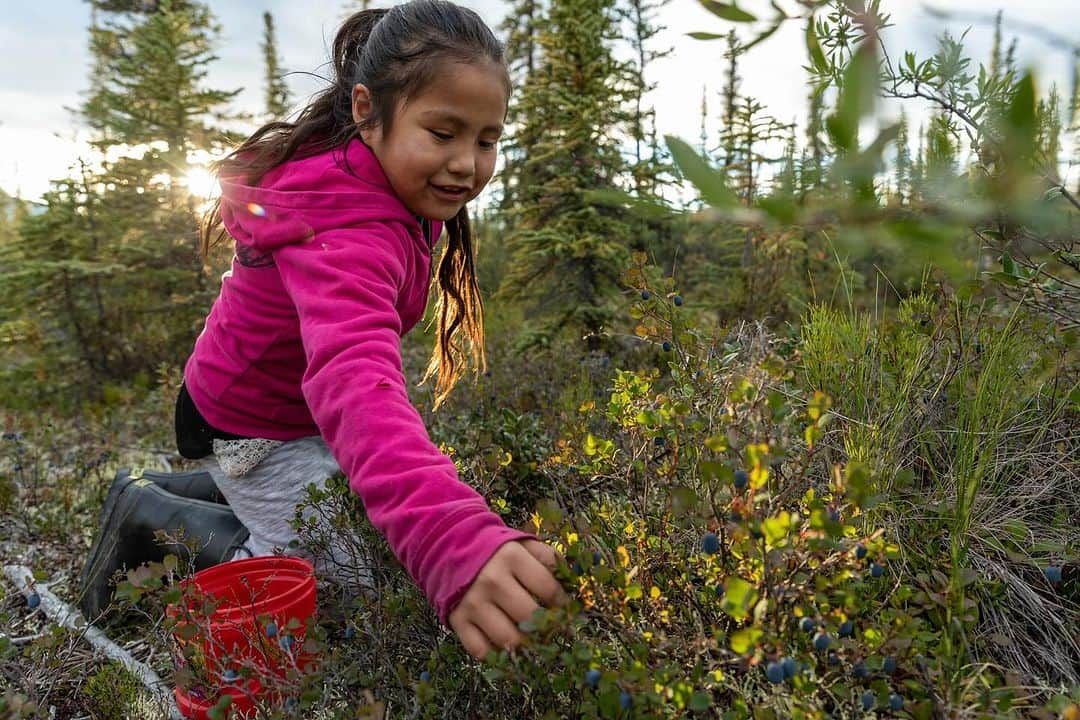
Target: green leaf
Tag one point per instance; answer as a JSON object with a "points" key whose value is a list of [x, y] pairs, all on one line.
{"points": [[710, 182], [742, 641], [739, 597], [700, 701], [727, 11], [776, 528], [763, 36], [1021, 117], [1007, 264], [858, 91], [813, 48], [706, 36]]}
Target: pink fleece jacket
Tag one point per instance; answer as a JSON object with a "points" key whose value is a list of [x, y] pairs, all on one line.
{"points": [[330, 271]]}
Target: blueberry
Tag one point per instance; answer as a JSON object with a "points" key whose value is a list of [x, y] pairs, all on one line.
{"points": [[625, 701], [834, 659], [847, 629], [33, 601], [290, 703], [286, 642], [271, 629], [677, 300], [822, 642], [790, 667], [774, 671], [425, 677], [350, 632], [869, 700], [735, 516], [645, 294], [889, 665], [592, 678], [1052, 574], [859, 670], [710, 544], [807, 624], [896, 702], [720, 590], [741, 479], [659, 440], [597, 557], [578, 570], [666, 346], [230, 675], [860, 551], [876, 570], [834, 515], [699, 374]]}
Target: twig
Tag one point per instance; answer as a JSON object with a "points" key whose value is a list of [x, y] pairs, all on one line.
{"points": [[66, 616]]}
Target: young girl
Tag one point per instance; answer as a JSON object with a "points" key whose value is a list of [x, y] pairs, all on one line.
{"points": [[298, 371]]}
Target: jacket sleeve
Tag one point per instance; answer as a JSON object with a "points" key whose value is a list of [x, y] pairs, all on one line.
{"points": [[345, 285]]}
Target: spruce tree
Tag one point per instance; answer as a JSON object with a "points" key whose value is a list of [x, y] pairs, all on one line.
{"points": [[520, 29], [568, 254], [151, 89], [277, 91], [903, 162], [647, 167], [110, 273]]}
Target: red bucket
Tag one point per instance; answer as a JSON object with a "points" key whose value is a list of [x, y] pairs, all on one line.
{"points": [[196, 708], [246, 627]]}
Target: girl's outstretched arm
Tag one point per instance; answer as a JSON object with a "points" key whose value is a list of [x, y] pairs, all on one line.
{"points": [[348, 286]]}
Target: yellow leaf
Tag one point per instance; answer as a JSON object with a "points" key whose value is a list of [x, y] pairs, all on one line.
{"points": [[571, 538], [758, 477], [629, 529], [633, 592], [654, 592], [624, 556]]}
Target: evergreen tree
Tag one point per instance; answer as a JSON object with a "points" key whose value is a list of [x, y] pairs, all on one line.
{"points": [[730, 97], [522, 51], [277, 91], [646, 168], [704, 137], [918, 168], [568, 253], [1048, 141], [109, 272], [813, 166], [151, 86], [903, 162]]}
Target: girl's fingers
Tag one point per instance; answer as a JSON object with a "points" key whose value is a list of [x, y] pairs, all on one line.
{"points": [[499, 629], [473, 640], [515, 600], [538, 578]]}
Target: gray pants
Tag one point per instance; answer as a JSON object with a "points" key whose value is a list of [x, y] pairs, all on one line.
{"points": [[265, 501]]}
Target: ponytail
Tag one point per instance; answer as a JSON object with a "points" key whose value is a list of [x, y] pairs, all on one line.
{"points": [[459, 307]]}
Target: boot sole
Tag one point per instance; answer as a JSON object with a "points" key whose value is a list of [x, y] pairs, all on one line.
{"points": [[92, 568]]}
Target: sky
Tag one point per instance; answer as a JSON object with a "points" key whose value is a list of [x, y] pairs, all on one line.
{"points": [[44, 64]]}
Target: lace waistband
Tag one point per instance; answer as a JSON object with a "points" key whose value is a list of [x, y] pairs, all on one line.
{"points": [[239, 457]]}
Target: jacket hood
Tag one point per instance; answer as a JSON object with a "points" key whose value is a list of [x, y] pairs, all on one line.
{"points": [[294, 201]]}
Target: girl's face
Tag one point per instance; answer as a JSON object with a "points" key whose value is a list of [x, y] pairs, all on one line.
{"points": [[441, 148]]}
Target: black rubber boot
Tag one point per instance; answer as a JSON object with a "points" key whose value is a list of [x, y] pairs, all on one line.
{"points": [[134, 510], [195, 484]]}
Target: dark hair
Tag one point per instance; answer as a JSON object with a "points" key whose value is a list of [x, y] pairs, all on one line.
{"points": [[396, 53]]}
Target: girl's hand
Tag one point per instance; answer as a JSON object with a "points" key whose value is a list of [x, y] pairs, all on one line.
{"points": [[502, 595]]}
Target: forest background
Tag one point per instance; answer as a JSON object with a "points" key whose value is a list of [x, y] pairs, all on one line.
{"points": [[798, 401]]}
